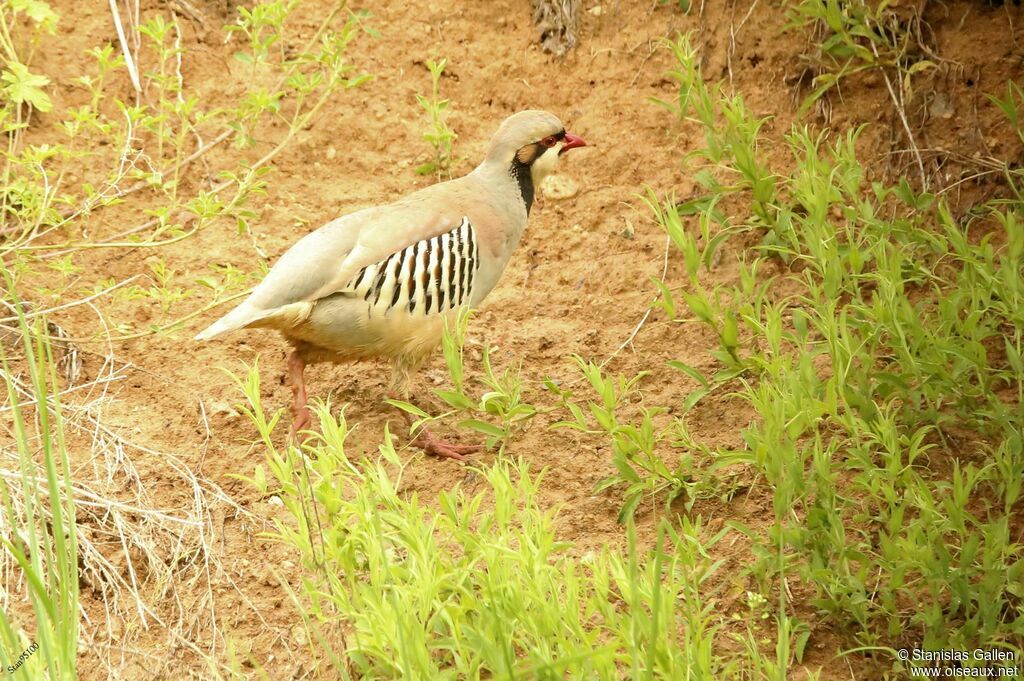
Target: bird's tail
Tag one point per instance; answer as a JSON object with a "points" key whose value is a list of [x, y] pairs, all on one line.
{"points": [[240, 317]]}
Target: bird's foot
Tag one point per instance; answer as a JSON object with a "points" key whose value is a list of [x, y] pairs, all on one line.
{"points": [[300, 409], [432, 444], [300, 422]]}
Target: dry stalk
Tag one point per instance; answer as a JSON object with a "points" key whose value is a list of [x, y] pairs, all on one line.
{"points": [[129, 60], [558, 22], [898, 103], [148, 564]]}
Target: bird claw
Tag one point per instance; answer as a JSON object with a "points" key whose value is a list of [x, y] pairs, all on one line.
{"points": [[431, 444], [467, 449]]}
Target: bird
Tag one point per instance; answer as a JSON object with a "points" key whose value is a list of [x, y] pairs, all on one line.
{"points": [[383, 281]]}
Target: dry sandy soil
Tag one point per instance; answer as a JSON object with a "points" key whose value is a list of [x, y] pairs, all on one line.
{"points": [[578, 284]]}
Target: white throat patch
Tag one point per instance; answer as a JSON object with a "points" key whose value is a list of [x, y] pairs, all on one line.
{"points": [[543, 166]]}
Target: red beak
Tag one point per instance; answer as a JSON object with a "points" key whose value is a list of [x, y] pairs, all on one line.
{"points": [[571, 141]]}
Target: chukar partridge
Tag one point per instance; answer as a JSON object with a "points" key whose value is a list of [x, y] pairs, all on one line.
{"points": [[381, 281]]}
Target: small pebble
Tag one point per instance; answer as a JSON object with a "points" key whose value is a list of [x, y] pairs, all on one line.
{"points": [[219, 407], [628, 232], [299, 635]]}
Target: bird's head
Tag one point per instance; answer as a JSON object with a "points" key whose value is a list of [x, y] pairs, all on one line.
{"points": [[529, 143]]}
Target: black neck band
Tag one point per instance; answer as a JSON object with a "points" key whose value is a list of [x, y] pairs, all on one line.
{"points": [[521, 172]]}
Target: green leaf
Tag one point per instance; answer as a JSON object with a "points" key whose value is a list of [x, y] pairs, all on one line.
{"points": [[730, 331], [456, 399], [626, 472], [629, 508], [36, 10], [800, 644], [693, 398], [714, 243], [689, 371], [23, 87], [408, 407], [356, 81], [699, 306], [260, 479], [666, 300], [605, 483], [923, 65], [484, 427]]}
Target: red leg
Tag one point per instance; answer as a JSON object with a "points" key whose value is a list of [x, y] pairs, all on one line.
{"points": [[300, 412], [432, 444]]}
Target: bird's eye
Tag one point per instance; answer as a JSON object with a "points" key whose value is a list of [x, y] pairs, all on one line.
{"points": [[549, 141]]}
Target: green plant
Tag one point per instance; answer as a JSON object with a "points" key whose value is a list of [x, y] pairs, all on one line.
{"points": [[637, 449], [854, 36], [502, 400], [476, 585], [861, 37], [119, 149], [262, 26], [21, 90], [440, 135], [21, 87], [902, 327], [1011, 106], [37, 520]]}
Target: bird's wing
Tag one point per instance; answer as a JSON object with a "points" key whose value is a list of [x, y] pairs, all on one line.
{"points": [[327, 260]]}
